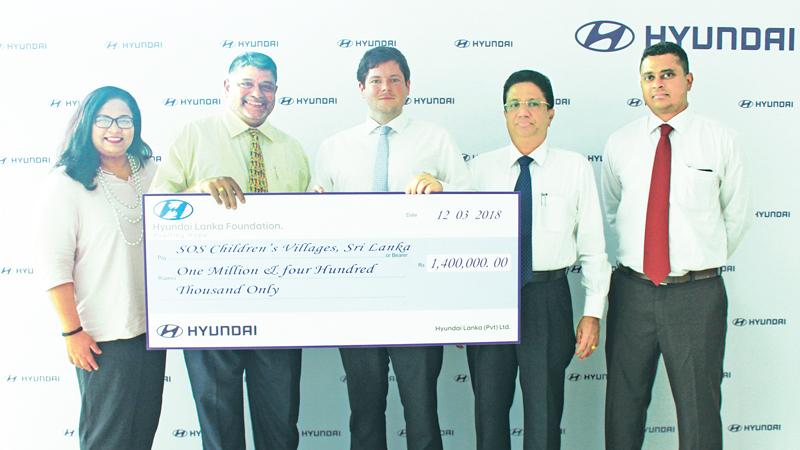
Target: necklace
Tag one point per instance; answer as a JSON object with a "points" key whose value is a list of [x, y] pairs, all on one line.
{"points": [[118, 205]]}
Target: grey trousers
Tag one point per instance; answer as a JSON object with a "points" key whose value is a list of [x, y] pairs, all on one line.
{"points": [[273, 390], [121, 402], [417, 371], [545, 351], [686, 323]]}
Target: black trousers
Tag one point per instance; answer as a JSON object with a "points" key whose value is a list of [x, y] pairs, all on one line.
{"points": [[121, 402], [546, 348], [686, 323], [417, 370], [273, 390]]}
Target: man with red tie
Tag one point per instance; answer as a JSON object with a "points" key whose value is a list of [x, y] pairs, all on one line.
{"points": [[675, 193]]}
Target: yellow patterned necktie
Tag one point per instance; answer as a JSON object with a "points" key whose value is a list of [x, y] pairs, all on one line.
{"points": [[257, 177]]}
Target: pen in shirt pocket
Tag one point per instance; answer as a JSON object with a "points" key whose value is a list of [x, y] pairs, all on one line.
{"points": [[543, 199], [699, 168]]}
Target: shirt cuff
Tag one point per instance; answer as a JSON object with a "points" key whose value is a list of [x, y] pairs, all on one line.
{"points": [[595, 306]]}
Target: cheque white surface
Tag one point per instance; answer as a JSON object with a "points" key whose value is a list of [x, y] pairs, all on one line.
{"points": [[306, 270]]}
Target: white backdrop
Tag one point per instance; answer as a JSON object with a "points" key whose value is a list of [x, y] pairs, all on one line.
{"points": [[173, 57]]}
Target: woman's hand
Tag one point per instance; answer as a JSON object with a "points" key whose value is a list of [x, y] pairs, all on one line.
{"points": [[81, 349]]}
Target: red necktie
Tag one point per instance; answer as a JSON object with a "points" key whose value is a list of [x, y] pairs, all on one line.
{"points": [[656, 229]]}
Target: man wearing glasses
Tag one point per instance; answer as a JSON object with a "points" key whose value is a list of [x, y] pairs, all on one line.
{"points": [[225, 156], [390, 152], [560, 222]]}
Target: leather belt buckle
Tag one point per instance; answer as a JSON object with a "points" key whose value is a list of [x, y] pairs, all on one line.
{"points": [[685, 278]]}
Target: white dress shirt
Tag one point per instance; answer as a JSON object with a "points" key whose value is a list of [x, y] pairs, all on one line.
{"points": [[709, 201], [567, 221], [346, 161]]}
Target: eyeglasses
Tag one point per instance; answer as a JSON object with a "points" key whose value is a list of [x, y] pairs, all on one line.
{"points": [[123, 122], [269, 88], [514, 105]]}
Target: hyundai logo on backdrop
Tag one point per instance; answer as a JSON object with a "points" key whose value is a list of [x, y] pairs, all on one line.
{"points": [[32, 379], [169, 331], [443, 432], [736, 428], [288, 101], [133, 45], [586, 377], [265, 43], [563, 101], [482, 43], [67, 103], [181, 433], [777, 214], [173, 209], [722, 38], [766, 104], [430, 100], [612, 36], [347, 43], [22, 46], [635, 102], [24, 160], [9, 270], [191, 101], [604, 36], [460, 378], [759, 322], [660, 429], [321, 433]]}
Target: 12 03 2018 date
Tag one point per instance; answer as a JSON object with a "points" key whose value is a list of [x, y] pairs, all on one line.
{"points": [[466, 214]]}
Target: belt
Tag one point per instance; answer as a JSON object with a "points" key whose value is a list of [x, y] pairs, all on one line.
{"points": [[542, 276], [693, 275]]}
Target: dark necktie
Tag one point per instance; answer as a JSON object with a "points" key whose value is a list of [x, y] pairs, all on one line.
{"points": [[656, 230], [523, 186]]}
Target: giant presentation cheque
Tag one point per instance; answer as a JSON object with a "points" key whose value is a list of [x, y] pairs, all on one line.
{"points": [[308, 270]]}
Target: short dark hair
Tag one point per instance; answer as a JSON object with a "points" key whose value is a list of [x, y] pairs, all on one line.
{"points": [[666, 48], [254, 59], [79, 155], [530, 76], [379, 55]]}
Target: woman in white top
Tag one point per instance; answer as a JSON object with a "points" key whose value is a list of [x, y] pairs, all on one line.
{"points": [[93, 269]]}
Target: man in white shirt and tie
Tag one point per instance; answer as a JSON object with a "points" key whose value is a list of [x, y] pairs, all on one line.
{"points": [[561, 223], [675, 193], [390, 152]]}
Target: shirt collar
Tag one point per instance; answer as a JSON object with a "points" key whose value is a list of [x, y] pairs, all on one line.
{"points": [[236, 126], [398, 124], [539, 155], [679, 122]]}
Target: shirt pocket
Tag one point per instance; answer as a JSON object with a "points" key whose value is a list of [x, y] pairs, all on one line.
{"points": [[695, 189], [558, 212]]}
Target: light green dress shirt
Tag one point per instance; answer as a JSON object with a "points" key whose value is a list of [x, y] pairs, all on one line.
{"points": [[220, 146]]}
